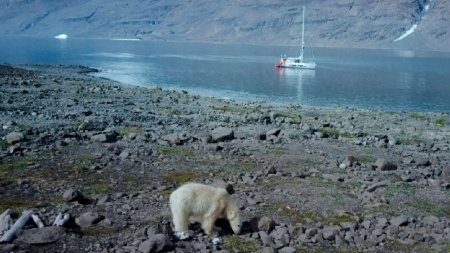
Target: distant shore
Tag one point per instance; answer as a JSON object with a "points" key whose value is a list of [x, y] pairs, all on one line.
{"points": [[331, 179]]}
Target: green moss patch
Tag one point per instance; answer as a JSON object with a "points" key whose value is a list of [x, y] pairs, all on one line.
{"points": [[441, 121], [173, 150], [96, 188], [400, 188], [16, 203], [417, 116], [181, 177], [4, 145], [235, 243]]}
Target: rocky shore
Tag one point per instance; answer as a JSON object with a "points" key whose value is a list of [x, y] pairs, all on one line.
{"points": [[108, 155]]}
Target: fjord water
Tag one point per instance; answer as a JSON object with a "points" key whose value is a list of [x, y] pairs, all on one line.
{"points": [[393, 80]]}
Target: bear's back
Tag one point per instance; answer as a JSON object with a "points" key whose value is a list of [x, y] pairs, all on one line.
{"points": [[197, 197]]}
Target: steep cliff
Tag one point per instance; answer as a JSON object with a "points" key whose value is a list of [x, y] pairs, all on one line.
{"points": [[329, 23]]}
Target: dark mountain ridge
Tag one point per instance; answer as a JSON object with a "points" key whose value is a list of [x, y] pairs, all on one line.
{"points": [[329, 23]]}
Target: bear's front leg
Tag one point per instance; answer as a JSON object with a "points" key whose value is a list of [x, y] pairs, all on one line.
{"points": [[207, 226]]}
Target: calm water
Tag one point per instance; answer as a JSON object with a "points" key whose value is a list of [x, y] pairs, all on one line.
{"points": [[394, 80]]}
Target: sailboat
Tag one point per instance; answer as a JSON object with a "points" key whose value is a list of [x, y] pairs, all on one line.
{"points": [[297, 62]]}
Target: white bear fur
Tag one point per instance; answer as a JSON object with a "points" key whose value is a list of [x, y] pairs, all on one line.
{"points": [[204, 204]]}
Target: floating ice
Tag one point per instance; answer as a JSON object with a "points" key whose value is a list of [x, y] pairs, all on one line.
{"points": [[62, 36], [126, 39]]}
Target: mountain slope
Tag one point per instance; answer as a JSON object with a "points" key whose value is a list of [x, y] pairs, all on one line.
{"points": [[345, 23]]}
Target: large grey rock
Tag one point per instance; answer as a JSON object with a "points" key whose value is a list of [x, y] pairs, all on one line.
{"points": [[157, 243], [222, 134], [384, 165], [14, 137], [264, 223], [430, 220], [72, 195], [310, 232], [329, 232], [399, 221], [267, 250], [287, 250], [265, 238], [88, 219], [108, 137], [174, 139], [43, 235]]}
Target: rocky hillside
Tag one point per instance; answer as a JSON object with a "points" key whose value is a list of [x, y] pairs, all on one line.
{"points": [[329, 23]]}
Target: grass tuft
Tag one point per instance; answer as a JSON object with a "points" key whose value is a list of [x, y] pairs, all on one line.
{"points": [[235, 243], [180, 177]]}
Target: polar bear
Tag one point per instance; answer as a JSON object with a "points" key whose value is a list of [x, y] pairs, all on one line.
{"points": [[202, 203]]}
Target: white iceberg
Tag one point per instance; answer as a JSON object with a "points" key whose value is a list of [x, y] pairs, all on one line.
{"points": [[62, 36]]}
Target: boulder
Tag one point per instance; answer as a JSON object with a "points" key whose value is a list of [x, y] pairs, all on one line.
{"points": [[222, 134], [88, 219], [108, 137], [287, 250], [39, 236], [72, 195], [384, 165], [174, 139], [264, 223], [156, 243], [399, 221], [15, 137]]}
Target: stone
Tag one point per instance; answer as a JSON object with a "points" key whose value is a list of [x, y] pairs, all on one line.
{"points": [[287, 250], [384, 165], [381, 223], [264, 223], [93, 123], [399, 221], [273, 132], [157, 243], [221, 134], [88, 219], [375, 186], [267, 250], [105, 137], [14, 137], [39, 236], [175, 139], [430, 220], [255, 200], [310, 232], [72, 195], [329, 232], [265, 238], [349, 161], [7, 247]]}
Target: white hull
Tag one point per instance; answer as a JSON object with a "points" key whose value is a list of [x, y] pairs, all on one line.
{"points": [[297, 63]]}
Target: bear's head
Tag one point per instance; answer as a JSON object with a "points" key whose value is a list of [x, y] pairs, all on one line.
{"points": [[234, 217]]}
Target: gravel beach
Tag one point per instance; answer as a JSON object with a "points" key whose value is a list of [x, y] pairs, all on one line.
{"points": [[306, 179]]}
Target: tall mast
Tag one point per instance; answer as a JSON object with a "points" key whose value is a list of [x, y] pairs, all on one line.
{"points": [[303, 33]]}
